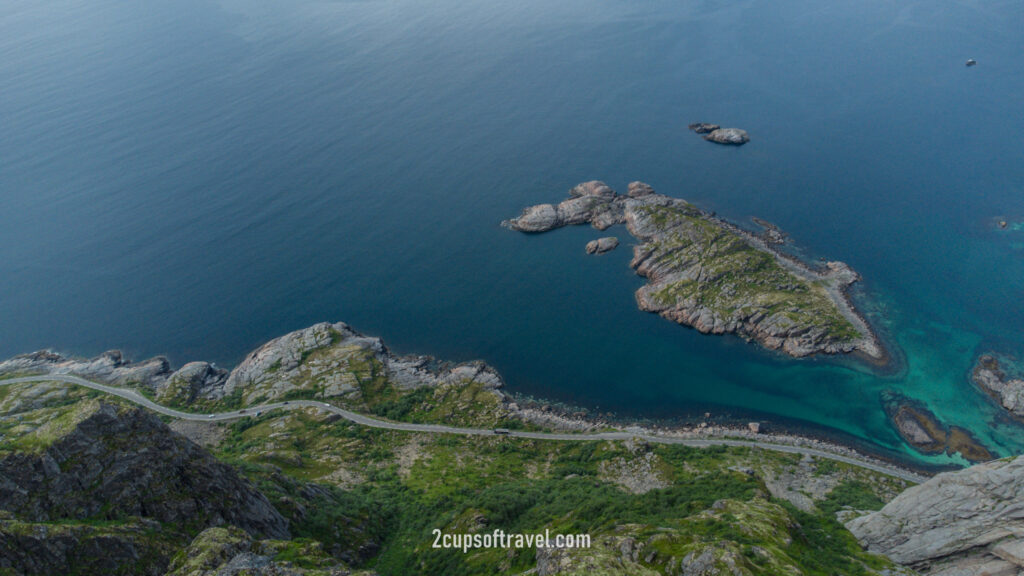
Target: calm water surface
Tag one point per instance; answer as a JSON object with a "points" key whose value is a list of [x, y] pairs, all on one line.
{"points": [[192, 178]]}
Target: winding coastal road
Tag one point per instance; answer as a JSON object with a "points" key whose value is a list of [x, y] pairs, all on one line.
{"points": [[135, 397]]}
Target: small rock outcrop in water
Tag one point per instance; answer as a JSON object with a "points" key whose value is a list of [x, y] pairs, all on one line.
{"points": [[772, 233], [708, 274], [602, 245], [1009, 392], [590, 202], [923, 430], [729, 136], [969, 522], [704, 127]]}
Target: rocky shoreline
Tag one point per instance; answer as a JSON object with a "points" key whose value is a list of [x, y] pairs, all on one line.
{"points": [[989, 375], [712, 275], [566, 417], [281, 368]]}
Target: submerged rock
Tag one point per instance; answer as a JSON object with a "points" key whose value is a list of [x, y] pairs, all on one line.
{"points": [[602, 245], [920, 428], [730, 136]]}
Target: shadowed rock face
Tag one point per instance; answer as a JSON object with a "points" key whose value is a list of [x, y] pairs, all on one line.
{"points": [[115, 462], [705, 273], [953, 523], [52, 549]]}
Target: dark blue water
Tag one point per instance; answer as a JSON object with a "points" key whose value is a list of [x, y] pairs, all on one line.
{"points": [[192, 178]]}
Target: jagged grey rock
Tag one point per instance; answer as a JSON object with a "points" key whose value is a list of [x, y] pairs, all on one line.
{"points": [[961, 518], [109, 367], [729, 136], [593, 202]]}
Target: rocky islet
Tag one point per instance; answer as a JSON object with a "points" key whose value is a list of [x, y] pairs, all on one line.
{"points": [[711, 275], [990, 375], [718, 135]]}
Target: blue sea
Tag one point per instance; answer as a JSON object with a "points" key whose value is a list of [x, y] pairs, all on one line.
{"points": [[195, 177]]}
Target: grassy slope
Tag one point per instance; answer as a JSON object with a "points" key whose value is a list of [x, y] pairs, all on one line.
{"points": [[372, 497]]}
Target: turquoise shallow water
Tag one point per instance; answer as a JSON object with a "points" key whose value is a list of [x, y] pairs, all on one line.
{"points": [[192, 178]]}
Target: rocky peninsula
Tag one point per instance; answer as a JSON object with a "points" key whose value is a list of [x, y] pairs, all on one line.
{"points": [[709, 274]]}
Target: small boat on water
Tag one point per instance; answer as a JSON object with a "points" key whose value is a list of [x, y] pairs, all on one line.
{"points": [[971, 62]]}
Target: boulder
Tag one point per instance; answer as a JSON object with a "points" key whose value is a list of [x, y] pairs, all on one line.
{"points": [[639, 190], [729, 136], [602, 245]]}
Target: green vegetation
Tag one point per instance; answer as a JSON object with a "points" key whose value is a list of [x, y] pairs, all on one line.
{"points": [[736, 279], [399, 487], [370, 498]]}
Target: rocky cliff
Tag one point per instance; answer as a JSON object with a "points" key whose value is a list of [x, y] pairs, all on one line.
{"points": [[706, 273], [964, 523]]}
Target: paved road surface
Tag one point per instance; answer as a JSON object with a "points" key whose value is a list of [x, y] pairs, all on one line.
{"points": [[133, 396]]}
